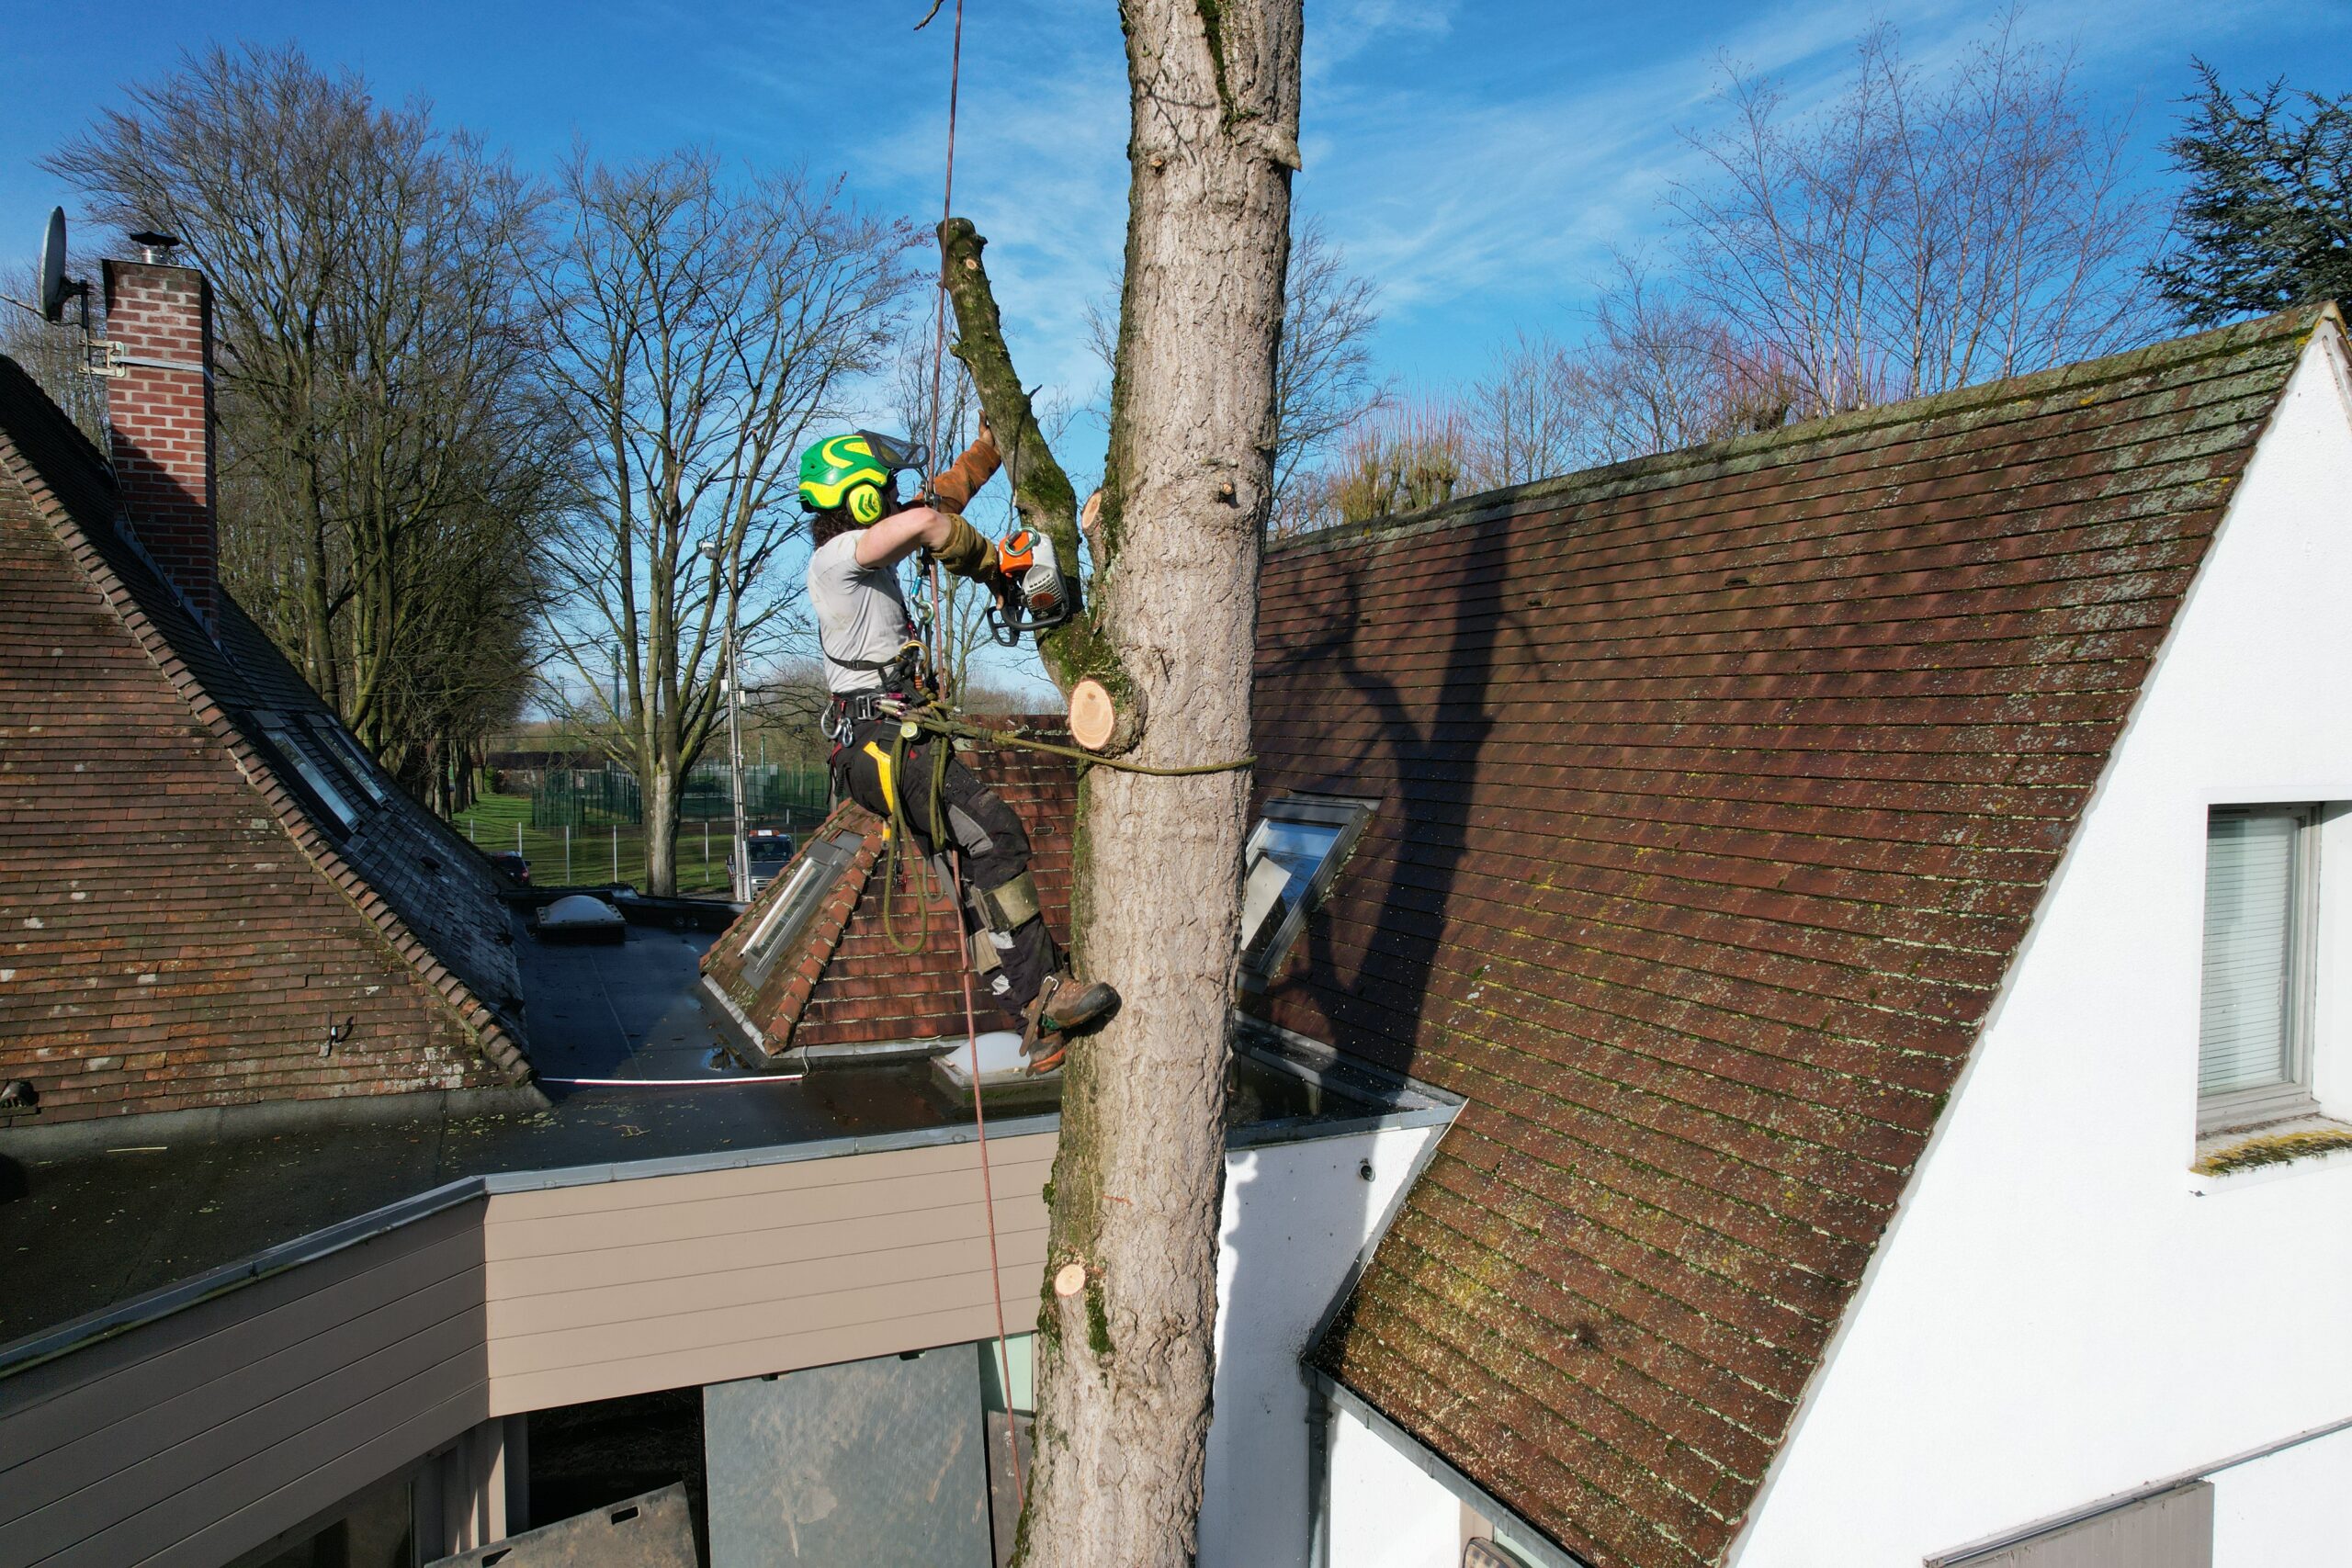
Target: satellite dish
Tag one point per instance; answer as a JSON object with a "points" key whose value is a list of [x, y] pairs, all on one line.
{"points": [[52, 267], [55, 286]]}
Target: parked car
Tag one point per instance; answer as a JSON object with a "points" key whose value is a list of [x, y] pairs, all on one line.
{"points": [[514, 866], [765, 851]]}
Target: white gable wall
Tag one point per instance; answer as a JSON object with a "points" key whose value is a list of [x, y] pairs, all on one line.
{"points": [[2062, 1311], [1297, 1218]]}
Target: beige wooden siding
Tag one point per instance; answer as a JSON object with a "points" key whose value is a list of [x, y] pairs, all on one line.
{"points": [[626, 1287], [190, 1438]]}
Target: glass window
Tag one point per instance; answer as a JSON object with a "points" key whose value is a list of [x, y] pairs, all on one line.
{"points": [[1296, 848], [814, 873], [344, 748], [313, 773], [2251, 1057]]}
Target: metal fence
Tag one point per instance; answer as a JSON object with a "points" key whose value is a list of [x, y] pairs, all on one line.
{"points": [[609, 797]]}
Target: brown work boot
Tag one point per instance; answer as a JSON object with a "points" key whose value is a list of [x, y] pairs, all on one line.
{"points": [[1062, 1008], [1073, 1009]]}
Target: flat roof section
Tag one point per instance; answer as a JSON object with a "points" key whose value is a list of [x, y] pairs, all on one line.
{"points": [[142, 1205], [139, 1204]]}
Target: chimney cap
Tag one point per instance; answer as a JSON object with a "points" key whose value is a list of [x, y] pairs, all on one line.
{"points": [[152, 240]]}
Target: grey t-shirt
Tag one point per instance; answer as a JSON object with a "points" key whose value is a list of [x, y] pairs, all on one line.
{"points": [[861, 614]]}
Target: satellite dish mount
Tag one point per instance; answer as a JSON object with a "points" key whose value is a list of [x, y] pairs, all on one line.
{"points": [[55, 286]]}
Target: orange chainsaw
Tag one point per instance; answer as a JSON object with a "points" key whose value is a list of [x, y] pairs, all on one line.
{"points": [[1032, 596]]}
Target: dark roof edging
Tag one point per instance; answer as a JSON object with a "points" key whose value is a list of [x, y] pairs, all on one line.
{"points": [[440, 984], [1977, 1552], [30, 1138]]}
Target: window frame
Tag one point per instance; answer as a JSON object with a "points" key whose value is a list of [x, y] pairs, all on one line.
{"points": [[313, 775], [2294, 1095], [344, 752], [827, 860], [1349, 815]]}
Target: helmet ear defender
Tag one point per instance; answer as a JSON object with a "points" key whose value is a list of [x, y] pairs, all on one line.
{"points": [[865, 505]]}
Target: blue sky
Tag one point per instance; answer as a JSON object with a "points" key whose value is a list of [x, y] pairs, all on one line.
{"points": [[1478, 158]]}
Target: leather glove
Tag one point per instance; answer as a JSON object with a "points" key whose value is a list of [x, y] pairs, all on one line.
{"points": [[967, 553]]}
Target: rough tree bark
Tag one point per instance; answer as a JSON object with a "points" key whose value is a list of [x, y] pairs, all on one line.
{"points": [[1124, 1358]]}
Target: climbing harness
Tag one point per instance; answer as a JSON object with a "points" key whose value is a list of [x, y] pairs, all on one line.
{"points": [[935, 719]]}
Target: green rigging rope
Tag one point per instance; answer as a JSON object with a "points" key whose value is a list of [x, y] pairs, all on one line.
{"points": [[949, 726], [946, 727]]}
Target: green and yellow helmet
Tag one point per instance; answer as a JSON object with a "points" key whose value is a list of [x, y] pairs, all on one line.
{"points": [[853, 471]]}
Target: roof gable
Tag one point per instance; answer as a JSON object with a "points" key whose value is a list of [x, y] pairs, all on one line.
{"points": [[844, 980], [398, 880], [1716, 793]]}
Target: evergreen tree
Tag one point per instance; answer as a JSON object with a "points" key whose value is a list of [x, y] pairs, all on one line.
{"points": [[2267, 220]]}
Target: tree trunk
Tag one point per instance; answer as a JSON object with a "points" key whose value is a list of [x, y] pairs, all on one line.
{"points": [[1123, 1416], [659, 798]]}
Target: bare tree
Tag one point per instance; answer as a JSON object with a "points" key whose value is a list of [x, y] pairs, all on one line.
{"points": [[1919, 233], [1325, 379], [1126, 1331], [1529, 421], [1399, 459], [700, 327], [383, 463], [52, 352], [1657, 372]]}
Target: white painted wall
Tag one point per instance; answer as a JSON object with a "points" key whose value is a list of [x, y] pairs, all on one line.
{"points": [[1386, 1512], [2292, 1507], [1296, 1218], [2062, 1311]]}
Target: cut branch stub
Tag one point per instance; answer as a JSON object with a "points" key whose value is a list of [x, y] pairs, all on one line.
{"points": [[1093, 717]]}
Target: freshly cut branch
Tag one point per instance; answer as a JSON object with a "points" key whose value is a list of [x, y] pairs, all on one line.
{"points": [[1042, 493]]}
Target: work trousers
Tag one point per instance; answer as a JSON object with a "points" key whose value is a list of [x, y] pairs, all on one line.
{"points": [[985, 830]]}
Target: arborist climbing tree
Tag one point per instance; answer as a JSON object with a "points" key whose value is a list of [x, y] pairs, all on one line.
{"points": [[892, 754], [1156, 663]]}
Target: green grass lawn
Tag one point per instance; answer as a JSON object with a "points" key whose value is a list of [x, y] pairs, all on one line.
{"points": [[592, 854]]}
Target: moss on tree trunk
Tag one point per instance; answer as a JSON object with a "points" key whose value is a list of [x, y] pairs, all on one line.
{"points": [[1169, 625]]}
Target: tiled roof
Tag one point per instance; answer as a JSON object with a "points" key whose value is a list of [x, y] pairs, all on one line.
{"points": [[1717, 792], [845, 983], [182, 926]]}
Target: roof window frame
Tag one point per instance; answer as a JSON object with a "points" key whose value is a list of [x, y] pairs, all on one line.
{"points": [[798, 892], [313, 775], [1348, 815], [349, 757]]}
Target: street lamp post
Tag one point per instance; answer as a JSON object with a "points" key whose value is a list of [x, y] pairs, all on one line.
{"points": [[739, 870]]}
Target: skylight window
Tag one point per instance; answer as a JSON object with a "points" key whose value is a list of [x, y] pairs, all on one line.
{"points": [[344, 748], [309, 769], [814, 872], [1294, 852]]}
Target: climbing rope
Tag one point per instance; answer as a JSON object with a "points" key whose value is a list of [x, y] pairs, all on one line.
{"points": [[944, 728], [948, 724], [939, 754]]}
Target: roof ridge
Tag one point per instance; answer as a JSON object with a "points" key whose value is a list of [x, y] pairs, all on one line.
{"points": [[441, 984], [1688, 464]]}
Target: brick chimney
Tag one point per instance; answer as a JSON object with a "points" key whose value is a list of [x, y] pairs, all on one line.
{"points": [[159, 401]]}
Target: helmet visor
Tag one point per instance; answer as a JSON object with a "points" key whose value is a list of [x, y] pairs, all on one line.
{"points": [[896, 452]]}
